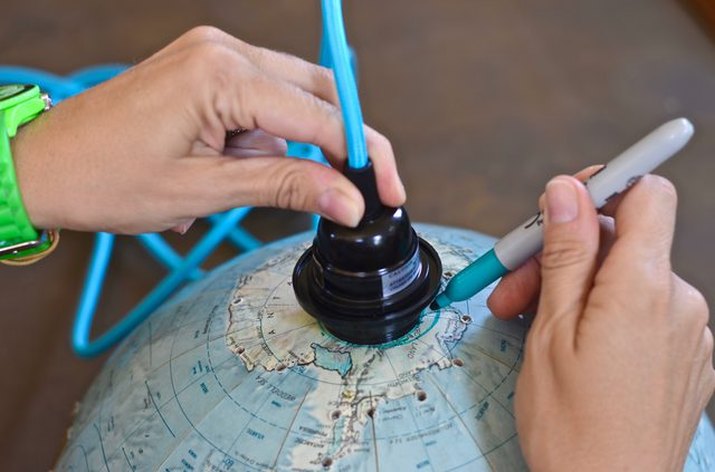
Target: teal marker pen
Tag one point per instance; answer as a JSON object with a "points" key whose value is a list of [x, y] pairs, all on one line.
{"points": [[617, 176]]}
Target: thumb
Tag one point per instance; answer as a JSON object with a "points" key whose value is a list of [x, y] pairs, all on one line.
{"points": [[218, 183], [568, 259]]}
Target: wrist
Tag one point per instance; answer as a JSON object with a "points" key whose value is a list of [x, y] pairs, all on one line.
{"points": [[21, 242], [24, 148]]}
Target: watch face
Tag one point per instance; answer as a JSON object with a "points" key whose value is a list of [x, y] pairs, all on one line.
{"points": [[9, 91]]}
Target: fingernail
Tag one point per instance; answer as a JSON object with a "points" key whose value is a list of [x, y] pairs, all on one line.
{"points": [[561, 201], [183, 228], [335, 205]]}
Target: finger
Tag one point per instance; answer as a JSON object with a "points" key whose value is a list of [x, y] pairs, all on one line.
{"points": [[584, 174], [255, 143], [692, 308], [644, 223], [213, 185], [390, 187], [702, 376], [606, 237], [184, 226], [312, 78], [282, 109], [707, 374], [568, 258], [516, 291]]}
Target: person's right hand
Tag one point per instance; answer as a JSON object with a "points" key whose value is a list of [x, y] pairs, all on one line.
{"points": [[618, 362], [148, 150]]}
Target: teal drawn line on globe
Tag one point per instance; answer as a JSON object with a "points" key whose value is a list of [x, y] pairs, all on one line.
{"points": [[413, 335]]}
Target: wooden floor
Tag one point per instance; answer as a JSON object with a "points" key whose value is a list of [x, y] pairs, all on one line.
{"points": [[483, 102]]}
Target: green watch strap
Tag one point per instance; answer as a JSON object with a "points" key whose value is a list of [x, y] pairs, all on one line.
{"points": [[18, 105]]}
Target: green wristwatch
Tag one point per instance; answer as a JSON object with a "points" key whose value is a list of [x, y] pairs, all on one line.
{"points": [[19, 240]]}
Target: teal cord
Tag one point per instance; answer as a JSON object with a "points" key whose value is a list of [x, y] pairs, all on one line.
{"points": [[339, 53]]}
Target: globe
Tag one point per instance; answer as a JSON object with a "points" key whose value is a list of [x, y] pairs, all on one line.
{"points": [[232, 375]]}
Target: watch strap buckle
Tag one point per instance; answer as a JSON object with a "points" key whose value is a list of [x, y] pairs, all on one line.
{"points": [[28, 252]]}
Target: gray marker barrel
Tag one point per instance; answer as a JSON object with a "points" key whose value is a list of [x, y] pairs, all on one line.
{"points": [[617, 176]]}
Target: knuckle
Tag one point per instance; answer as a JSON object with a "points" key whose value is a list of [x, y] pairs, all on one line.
{"points": [[219, 69], [382, 141], [210, 59], [289, 190], [204, 33], [378, 141], [661, 185], [323, 76], [708, 344], [696, 306], [329, 123], [563, 253], [701, 309]]}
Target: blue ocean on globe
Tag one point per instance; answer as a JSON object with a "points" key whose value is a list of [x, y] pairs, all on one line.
{"points": [[232, 375]]}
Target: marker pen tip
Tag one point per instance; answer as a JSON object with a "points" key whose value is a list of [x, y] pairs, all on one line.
{"points": [[441, 301]]}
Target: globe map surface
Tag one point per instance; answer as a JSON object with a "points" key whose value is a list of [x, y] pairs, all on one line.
{"points": [[232, 375]]}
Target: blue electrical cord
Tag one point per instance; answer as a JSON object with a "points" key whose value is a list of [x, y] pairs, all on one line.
{"points": [[339, 58]]}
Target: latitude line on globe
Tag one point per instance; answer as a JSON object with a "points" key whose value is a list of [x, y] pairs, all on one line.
{"points": [[171, 397], [153, 402], [151, 342], [498, 446], [475, 324], [454, 410], [181, 407], [178, 402], [131, 466], [175, 331], [252, 414], [512, 368], [84, 453], [268, 338], [451, 358], [263, 403], [496, 359], [490, 394], [217, 338], [101, 445]]}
